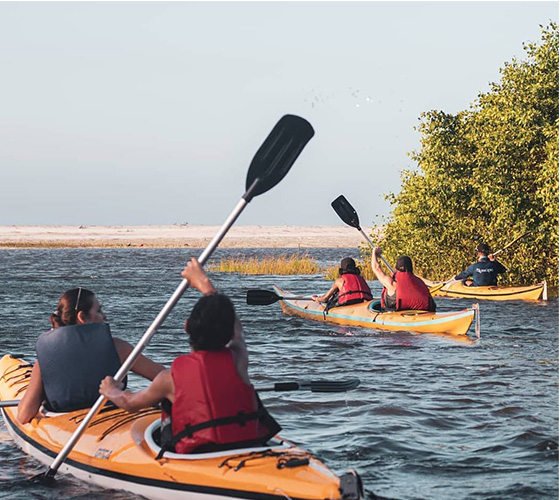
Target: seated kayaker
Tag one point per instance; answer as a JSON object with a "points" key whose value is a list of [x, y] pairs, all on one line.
{"points": [[484, 271], [403, 290], [74, 356], [207, 398], [349, 288]]}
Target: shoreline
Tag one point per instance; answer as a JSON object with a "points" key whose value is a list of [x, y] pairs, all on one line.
{"points": [[178, 236]]}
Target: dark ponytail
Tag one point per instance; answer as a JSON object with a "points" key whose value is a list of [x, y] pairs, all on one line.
{"points": [[70, 304]]}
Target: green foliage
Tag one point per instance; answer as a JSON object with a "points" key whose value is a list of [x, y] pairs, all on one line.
{"points": [[487, 174]]}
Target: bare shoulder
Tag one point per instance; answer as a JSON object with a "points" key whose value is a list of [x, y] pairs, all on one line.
{"points": [[164, 376], [338, 282]]}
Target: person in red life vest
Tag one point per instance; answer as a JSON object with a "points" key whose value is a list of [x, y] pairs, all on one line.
{"points": [[349, 288], [208, 402], [403, 290]]}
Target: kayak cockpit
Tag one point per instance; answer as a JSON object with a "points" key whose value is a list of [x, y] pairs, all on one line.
{"points": [[151, 438]]}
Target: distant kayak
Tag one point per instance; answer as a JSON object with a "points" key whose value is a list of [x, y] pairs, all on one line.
{"points": [[369, 315], [457, 289]]}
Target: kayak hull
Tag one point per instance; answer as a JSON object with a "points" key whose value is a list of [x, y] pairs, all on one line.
{"points": [[116, 451], [366, 316], [456, 289]]}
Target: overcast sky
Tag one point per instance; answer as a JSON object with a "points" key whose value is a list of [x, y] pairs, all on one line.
{"points": [[137, 113]]}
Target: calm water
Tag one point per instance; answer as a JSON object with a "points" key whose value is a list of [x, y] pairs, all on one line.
{"points": [[433, 418]]}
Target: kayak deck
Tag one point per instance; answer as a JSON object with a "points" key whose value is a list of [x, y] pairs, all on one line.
{"points": [[117, 451], [456, 289], [366, 315]]}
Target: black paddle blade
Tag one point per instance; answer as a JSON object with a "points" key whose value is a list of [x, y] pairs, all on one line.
{"points": [[314, 386], [277, 154], [261, 297], [346, 211], [330, 385]]}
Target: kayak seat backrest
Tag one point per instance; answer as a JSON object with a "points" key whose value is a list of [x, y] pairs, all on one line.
{"points": [[375, 306], [152, 436]]}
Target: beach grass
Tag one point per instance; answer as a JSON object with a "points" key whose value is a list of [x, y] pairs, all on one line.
{"points": [[279, 265]]}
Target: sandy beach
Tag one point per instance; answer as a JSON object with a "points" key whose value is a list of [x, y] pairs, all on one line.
{"points": [[179, 235]]}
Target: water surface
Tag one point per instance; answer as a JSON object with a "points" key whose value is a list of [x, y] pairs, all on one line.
{"points": [[433, 418]]}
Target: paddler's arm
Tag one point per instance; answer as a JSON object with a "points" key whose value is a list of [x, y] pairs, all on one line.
{"points": [[240, 353], [388, 282], [467, 273], [142, 366], [337, 285], [161, 388], [33, 398], [197, 278]]}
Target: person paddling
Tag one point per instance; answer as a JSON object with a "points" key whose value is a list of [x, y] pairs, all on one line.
{"points": [[402, 290], [207, 398], [349, 288], [484, 271], [74, 356]]}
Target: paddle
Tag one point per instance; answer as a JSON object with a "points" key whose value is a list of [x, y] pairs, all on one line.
{"points": [[270, 164], [511, 243], [438, 287], [302, 385], [348, 215], [265, 297], [314, 386]]}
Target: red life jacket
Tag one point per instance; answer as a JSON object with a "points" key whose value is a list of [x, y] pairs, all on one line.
{"points": [[412, 293], [354, 289], [213, 407]]}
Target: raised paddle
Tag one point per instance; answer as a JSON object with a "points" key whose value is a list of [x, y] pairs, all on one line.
{"points": [[302, 385], [511, 243], [439, 286], [348, 215], [271, 163], [265, 297]]}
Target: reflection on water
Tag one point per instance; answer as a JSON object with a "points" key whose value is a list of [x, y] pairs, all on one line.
{"points": [[433, 418]]}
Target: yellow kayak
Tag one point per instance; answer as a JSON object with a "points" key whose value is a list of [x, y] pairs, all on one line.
{"points": [[118, 450], [368, 315], [457, 289]]}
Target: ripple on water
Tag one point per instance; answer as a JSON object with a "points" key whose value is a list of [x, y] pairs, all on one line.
{"points": [[433, 418]]}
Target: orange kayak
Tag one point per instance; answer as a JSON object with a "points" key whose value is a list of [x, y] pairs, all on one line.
{"points": [[368, 315], [456, 289], [118, 450]]}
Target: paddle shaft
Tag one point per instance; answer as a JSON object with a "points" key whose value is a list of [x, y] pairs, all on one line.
{"points": [[373, 246], [272, 161], [160, 318], [509, 244], [314, 386], [9, 403]]}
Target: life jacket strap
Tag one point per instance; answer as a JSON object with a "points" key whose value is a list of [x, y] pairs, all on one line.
{"points": [[241, 419], [367, 294]]}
